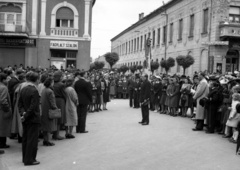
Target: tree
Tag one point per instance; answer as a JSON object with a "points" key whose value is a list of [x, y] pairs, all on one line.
{"points": [[92, 66], [185, 61], [167, 64], [154, 66], [123, 69], [111, 58], [99, 65], [133, 68]]}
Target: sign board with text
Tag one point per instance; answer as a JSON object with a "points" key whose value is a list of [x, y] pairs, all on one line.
{"points": [[17, 42], [69, 45]]}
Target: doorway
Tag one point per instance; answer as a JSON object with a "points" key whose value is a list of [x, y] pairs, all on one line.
{"points": [[232, 61]]}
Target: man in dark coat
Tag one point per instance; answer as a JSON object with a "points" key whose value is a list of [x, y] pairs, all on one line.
{"points": [[29, 109], [136, 94], [145, 99], [84, 92], [131, 90]]}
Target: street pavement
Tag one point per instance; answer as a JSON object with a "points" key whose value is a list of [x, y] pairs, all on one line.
{"points": [[117, 142]]}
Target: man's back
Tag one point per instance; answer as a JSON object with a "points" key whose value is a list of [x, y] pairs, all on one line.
{"points": [[84, 91], [29, 102]]}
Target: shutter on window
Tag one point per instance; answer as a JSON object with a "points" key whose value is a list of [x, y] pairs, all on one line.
{"points": [[65, 13]]}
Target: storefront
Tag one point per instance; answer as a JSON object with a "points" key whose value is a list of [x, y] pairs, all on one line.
{"points": [[64, 54], [13, 50]]}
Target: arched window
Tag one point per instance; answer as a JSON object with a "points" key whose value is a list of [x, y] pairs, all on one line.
{"points": [[64, 17]]}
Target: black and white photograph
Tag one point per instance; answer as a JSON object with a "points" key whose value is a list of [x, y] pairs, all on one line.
{"points": [[119, 84]]}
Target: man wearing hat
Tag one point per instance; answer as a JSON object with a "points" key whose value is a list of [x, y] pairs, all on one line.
{"points": [[84, 92], [145, 99], [201, 92]]}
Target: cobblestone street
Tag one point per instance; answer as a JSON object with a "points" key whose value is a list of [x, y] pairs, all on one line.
{"points": [[117, 142]]}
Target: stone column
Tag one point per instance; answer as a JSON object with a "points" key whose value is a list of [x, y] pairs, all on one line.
{"points": [[43, 17], [24, 15], [87, 19], [34, 16]]}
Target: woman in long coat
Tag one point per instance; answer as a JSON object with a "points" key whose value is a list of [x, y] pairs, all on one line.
{"points": [[71, 108], [5, 112], [164, 96], [201, 92], [106, 91], [174, 96], [48, 102]]}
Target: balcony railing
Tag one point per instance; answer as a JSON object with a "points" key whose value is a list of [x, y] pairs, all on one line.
{"points": [[11, 28], [64, 32], [229, 29]]}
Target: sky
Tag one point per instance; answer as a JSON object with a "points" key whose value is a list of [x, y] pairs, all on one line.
{"points": [[110, 17]]}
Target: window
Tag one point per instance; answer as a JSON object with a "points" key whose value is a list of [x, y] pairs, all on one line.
{"points": [[191, 26], [126, 47], [171, 33], [129, 46], [205, 21], [234, 14], [149, 35], [64, 17], [2, 18], [141, 43], [164, 34], [132, 46], [145, 40], [158, 36], [180, 29], [153, 39], [137, 43]]}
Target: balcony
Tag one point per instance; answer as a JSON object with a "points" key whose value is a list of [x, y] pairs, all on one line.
{"points": [[12, 30], [64, 32], [229, 30]]}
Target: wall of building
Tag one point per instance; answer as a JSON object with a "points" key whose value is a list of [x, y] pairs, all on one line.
{"points": [[188, 45]]}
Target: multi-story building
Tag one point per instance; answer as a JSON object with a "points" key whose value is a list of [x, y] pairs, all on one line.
{"points": [[45, 32], [208, 30]]}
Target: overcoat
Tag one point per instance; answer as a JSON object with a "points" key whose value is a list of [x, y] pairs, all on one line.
{"points": [[5, 116], [201, 92], [48, 102], [71, 107], [175, 95]]}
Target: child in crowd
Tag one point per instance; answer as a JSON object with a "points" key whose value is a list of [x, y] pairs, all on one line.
{"points": [[234, 119]]}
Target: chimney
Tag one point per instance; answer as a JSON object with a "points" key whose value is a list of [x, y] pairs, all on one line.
{"points": [[141, 16]]}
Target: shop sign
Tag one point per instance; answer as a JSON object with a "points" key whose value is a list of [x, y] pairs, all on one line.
{"points": [[70, 45], [18, 42]]}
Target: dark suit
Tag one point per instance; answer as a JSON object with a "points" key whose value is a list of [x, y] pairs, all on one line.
{"points": [[144, 96], [29, 103], [84, 92], [131, 91]]}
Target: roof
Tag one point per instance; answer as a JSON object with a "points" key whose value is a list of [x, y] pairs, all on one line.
{"points": [[148, 17]]}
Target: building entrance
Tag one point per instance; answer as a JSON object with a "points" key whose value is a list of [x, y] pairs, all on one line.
{"points": [[232, 61], [63, 59]]}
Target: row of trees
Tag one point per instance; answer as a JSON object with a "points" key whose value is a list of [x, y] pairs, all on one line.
{"points": [[112, 58], [183, 61]]}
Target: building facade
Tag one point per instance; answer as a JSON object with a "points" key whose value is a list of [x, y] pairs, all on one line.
{"points": [[208, 30], [41, 33]]}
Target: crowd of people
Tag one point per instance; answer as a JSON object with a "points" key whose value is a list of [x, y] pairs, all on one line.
{"points": [[27, 96], [212, 101]]}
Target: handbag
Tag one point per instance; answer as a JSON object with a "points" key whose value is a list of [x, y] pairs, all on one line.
{"points": [[54, 114]]}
